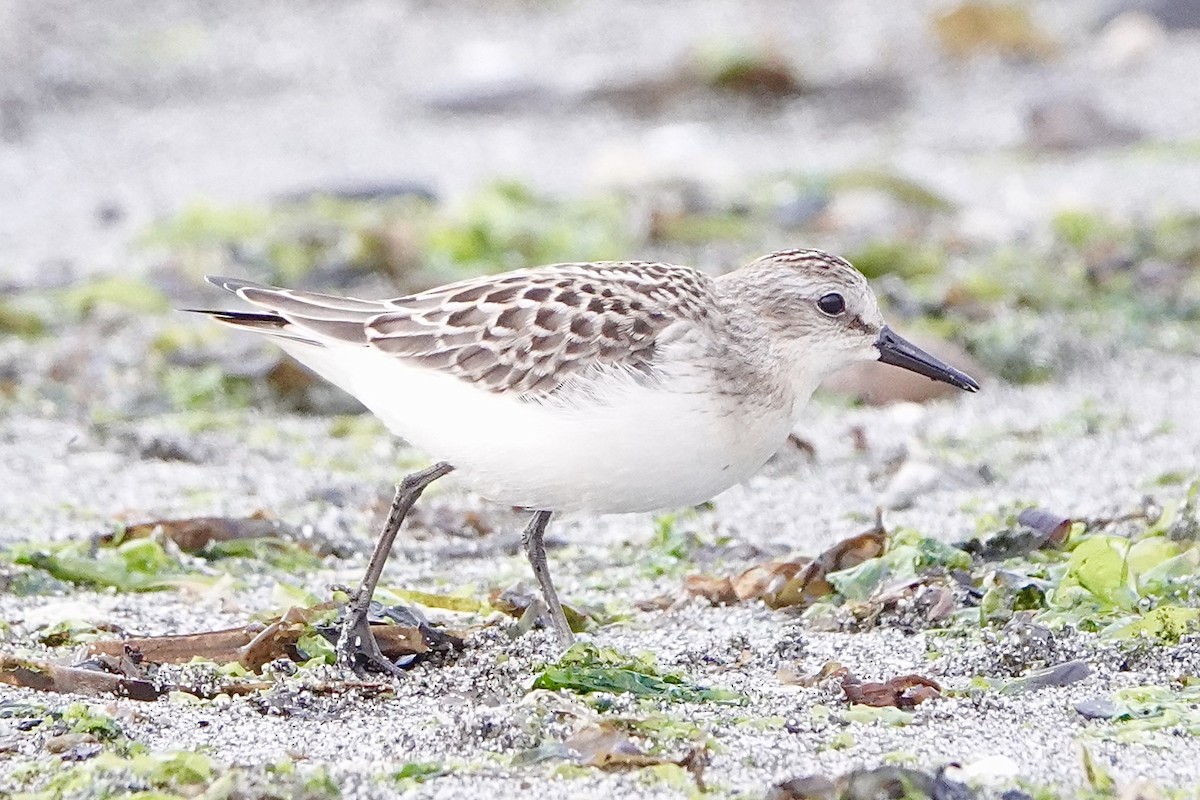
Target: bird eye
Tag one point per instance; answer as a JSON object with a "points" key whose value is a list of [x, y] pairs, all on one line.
{"points": [[832, 304]]}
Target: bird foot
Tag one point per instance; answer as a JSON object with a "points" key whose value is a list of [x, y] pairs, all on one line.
{"points": [[357, 649]]}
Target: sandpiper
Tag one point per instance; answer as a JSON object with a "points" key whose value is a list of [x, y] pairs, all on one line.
{"points": [[604, 387]]}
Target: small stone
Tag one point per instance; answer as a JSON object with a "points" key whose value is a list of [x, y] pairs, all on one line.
{"points": [[82, 751], [885, 782], [65, 741], [810, 787], [1177, 15], [508, 95], [1015, 794], [1073, 123], [1127, 39], [1059, 675], [1096, 708], [991, 770]]}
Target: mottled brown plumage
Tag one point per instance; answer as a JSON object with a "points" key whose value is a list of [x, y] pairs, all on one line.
{"points": [[527, 332]]}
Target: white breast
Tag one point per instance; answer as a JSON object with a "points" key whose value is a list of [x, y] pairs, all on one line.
{"points": [[638, 448]]}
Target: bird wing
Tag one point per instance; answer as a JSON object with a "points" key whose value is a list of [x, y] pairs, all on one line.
{"points": [[528, 332]]}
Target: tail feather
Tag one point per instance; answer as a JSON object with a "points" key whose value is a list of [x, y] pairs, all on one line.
{"points": [[308, 317], [315, 305], [233, 285], [270, 324]]}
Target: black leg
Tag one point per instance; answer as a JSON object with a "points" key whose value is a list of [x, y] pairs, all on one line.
{"points": [[356, 645], [536, 552]]}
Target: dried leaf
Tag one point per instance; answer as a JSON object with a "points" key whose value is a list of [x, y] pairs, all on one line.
{"points": [[222, 647], [521, 601], [887, 781], [257, 644], [830, 669], [757, 73], [605, 747], [194, 534], [986, 27], [48, 677], [766, 580], [1043, 530], [718, 591], [811, 584], [869, 784], [942, 604], [1053, 527], [789, 584], [803, 445], [904, 692]]}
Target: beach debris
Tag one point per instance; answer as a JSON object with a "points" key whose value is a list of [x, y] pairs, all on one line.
{"points": [[904, 691], [880, 783], [128, 667], [789, 584], [586, 668], [1059, 675]]}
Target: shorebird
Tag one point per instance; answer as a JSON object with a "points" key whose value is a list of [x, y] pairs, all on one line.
{"points": [[603, 387]]}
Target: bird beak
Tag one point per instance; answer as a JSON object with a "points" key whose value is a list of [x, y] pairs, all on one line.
{"points": [[899, 352]]}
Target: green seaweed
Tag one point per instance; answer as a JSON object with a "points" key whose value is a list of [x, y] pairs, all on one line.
{"points": [[170, 775], [908, 554], [18, 320], [416, 772], [897, 258], [115, 291], [585, 669], [506, 225], [140, 565]]}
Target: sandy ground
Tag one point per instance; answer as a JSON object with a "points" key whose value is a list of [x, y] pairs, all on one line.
{"points": [[113, 118], [477, 711]]}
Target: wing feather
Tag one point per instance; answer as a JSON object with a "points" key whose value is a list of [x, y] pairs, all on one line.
{"points": [[528, 332]]}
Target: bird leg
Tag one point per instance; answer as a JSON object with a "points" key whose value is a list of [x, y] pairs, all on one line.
{"points": [[356, 646], [535, 550]]}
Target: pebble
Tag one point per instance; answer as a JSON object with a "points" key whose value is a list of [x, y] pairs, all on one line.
{"points": [[1096, 708]]}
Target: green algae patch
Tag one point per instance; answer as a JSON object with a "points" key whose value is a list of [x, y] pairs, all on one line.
{"points": [[886, 715], [17, 320], [1052, 570], [908, 555], [141, 565], [414, 773], [1147, 709], [586, 669], [169, 775], [507, 225], [114, 291], [1124, 588], [460, 602]]}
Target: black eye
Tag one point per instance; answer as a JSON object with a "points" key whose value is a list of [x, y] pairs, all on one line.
{"points": [[832, 304]]}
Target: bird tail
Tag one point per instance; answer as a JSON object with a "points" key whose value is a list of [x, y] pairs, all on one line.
{"points": [[271, 325]]}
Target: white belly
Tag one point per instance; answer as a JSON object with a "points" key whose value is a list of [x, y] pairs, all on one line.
{"points": [[640, 449]]}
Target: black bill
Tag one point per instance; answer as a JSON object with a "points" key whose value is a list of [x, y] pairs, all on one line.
{"points": [[899, 352]]}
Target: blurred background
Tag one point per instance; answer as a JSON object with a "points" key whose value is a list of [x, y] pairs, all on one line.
{"points": [[1021, 180]]}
